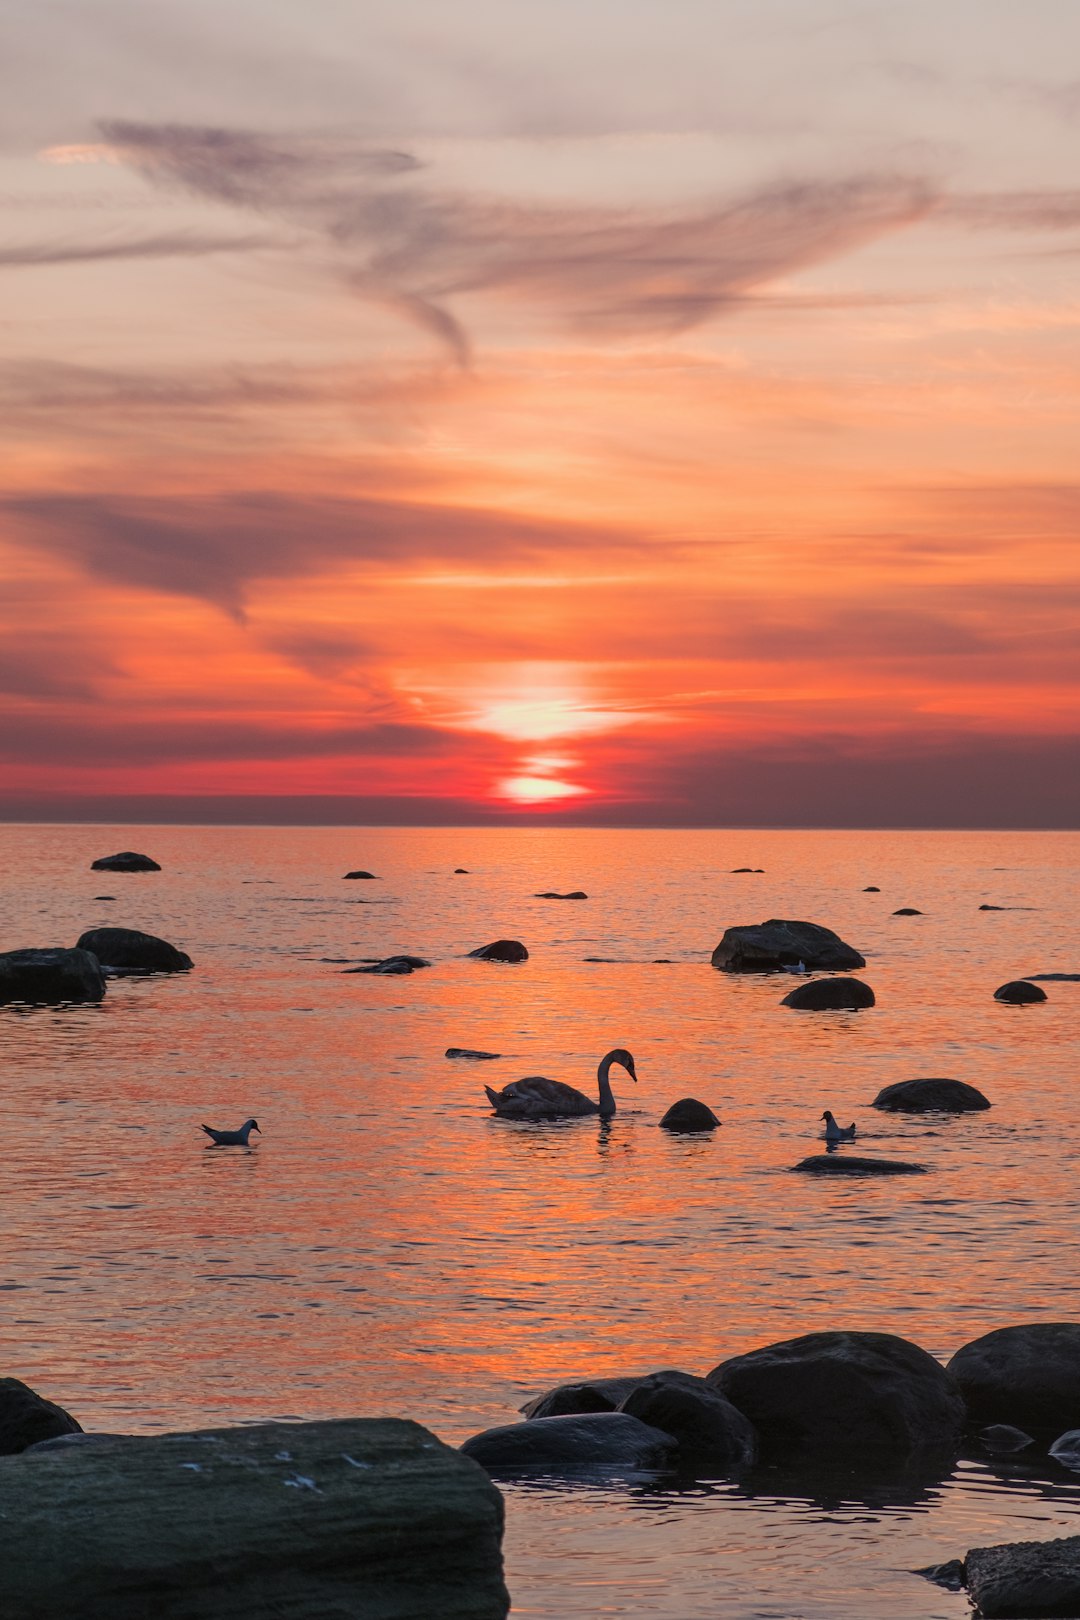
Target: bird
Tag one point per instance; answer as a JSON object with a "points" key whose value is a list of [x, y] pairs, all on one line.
{"points": [[232, 1138], [538, 1098], [835, 1132]]}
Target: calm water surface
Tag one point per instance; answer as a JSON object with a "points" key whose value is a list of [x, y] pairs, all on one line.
{"points": [[389, 1248]]}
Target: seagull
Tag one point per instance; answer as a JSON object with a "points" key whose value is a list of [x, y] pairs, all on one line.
{"points": [[232, 1138], [835, 1132]]}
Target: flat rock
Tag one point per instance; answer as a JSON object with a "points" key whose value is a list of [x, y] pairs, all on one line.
{"points": [[27, 1418], [849, 1164], [126, 950], [49, 976], [688, 1114], [471, 1056], [370, 875], [1028, 1375], [769, 946], [587, 1441], [501, 950], [706, 1425], [549, 894], [845, 1392], [1018, 992], [391, 965], [127, 861], [1032, 1579], [829, 995], [366, 1519], [931, 1097]]}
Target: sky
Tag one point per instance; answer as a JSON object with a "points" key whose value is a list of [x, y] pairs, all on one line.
{"points": [[615, 411]]}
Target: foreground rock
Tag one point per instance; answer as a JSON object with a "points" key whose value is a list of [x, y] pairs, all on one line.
{"points": [[830, 995], [850, 1164], [391, 965], [50, 976], [126, 861], [1018, 992], [689, 1115], [931, 1097], [844, 1392], [26, 1418], [572, 1444], [769, 946], [373, 1519], [501, 950], [1026, 1578], [126, 950], [707, 1426], [1027, 1375]]}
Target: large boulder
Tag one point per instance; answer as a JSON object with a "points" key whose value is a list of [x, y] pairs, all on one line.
{"points": [[588, 1441], [1027, 1578], [374, 1519], [851, 1164], [829, 995], [843, 1392], [126, 950], [688, 1114], [1018, 992], [27, 1418], [126, 861], [769, 946], [1027, 1375], [704, 1422], [50, 976], [501, 950], [931, 1097]]}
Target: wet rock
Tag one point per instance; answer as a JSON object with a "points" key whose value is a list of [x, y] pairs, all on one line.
{"points": [[1003, 1437], [592, 1440], [461, 871], [848, 1164], [871, 888], [51, 975], [104, 897], [549, 894], [755, 869], [126, 950], [825, 995], [374, 1519], [843, 1392], [26, 1418], [1070, 978], [501, 950], [769, 946], [469, 1054], [931, 1097], [126, 861], [1026, 1578], [587, 1395], [993, 908], [1028, 1375], [369, 875], [393, 964], [951, 1575], [71, 1442], [688, 1114], [1066, 1449], [1018, 992], [907, 911], [704, 1422]]}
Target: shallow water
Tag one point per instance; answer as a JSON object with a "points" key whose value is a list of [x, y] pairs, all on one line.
{"points": [[389, 1248]]}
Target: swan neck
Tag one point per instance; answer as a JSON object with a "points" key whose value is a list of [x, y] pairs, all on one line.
{"points": [[607, 1099]]}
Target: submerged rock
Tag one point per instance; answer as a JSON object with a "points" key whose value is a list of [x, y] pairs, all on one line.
{"points": [[126, 950], [688, 1114], [586, 1441], [370, 875], [549, 894], [27, 1418], [501, 950], [586, 1395], [1028, 1375], [393, 964], [46, 977], [1018, 992], [704, 1422], [907, 911], [871, 888], [931, 1097], [830, 995], [468, 1053], [766, 947], [126, 861], [848, 1164], [1026, 1578]]}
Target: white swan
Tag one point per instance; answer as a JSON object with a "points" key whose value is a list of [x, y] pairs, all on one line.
{"points": [[232, 1138], [537, 1098], [835, 1132]]}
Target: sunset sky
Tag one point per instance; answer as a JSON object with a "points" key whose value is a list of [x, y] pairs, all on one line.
{"points": [[617, 411]]}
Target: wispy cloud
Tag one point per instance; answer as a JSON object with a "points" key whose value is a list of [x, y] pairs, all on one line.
{"points": [[163, 245]]}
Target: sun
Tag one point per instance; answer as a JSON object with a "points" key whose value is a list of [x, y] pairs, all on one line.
{"points": [[537, 789]]}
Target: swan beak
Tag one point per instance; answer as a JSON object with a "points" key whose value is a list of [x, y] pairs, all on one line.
{"points": [[256, 1128]]}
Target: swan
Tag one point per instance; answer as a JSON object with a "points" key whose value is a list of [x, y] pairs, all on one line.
{"points": [[537, 1098], [835, 1132], [232, 1138]]}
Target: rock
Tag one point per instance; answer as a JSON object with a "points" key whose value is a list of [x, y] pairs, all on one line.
{"points": [[766, 947], [993, 908], [588, 1395], [126, 861], [907, 911], [843, 1391], [549, 894], [703, 1421], [848, 1164], [821, 995], [871, 888], [126, 950], [1018, 992], [393, 964], [931, 1097], [1066, 1449], [71, 1442], [104, 897], [755, 869], [1027, 1578], [1028, 1375], [689, 1115], [1070, 978], [501, 950], [26, 1418], [1003, 1437], [370, 875], [468, 1053], [461, 871], [50, 976], [951, 1575], [591, 1440], [374, 1519]]}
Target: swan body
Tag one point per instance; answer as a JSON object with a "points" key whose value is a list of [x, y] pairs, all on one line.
{"points": [[538, 1098], [835, 1132], [232, 1138]]}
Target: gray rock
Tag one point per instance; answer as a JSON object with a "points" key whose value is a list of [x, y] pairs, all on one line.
{"points": [[766, 947], [126, 861], [469, 1054], [704, 1422], [1018, 992], [365, 1519], [843, 1392], [126, 950], [26, 1418], [850, 1164], [501, 950], [50, 976], [1028, 1375], [1066, 1449], [1003, 1437], [1034, 1579], [571, 1444], [688, 1114], [822, 995], [370, 875], [931, 1097]]}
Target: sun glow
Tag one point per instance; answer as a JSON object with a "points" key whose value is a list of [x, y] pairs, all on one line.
{"points": [[537, 789]]}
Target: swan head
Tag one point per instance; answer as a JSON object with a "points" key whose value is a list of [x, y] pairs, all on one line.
{"points": [[621, 1056], [251, 1125], [827, 1115]]}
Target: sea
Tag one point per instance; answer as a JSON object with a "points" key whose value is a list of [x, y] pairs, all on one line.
{"points": [[388, 1248]]}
